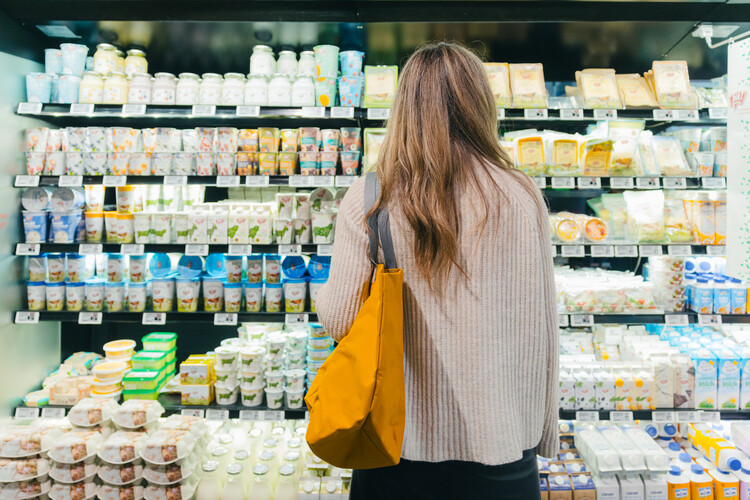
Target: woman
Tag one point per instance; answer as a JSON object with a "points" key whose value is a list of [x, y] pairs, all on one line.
{"points": [[480, 323]]}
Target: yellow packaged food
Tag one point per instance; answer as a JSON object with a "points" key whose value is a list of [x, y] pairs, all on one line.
{"points": [[530, 151], [499, 83], [564, 157], [289, 139], [596, 154], [672, 84], [595, 229], [567, 230], [527, 85], [599, 88], [247, 140], [268, 139], [635, 92]]}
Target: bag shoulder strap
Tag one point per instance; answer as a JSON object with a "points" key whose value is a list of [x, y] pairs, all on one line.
{"points": [[379, 224]]}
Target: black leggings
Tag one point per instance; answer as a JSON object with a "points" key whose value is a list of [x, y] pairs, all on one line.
{"points": [[425, 480]]}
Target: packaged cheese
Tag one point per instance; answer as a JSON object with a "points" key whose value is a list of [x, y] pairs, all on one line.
{"points": [[499, 83], [530, 155], [635, 92], [181, 491], [136, 413], [625, 134], [165, 475], [109, 492], [527, 85], [380, 86], [72, 473], [595, 155], [669, 156], [22, 469], [24, 489], [75, 446], [599, 88], [26, 440], [122, 447], [77, 491], [167, 446], [562, 151], [672, 84], [90, 412], [120, 475]]}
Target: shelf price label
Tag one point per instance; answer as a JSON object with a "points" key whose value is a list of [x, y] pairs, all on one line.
{"points": [[26, 181], [227, 180], [563, 183], [571, 114], [90, 248], [650, 250], [175, 180], [647, 183], [573, 251], [301, 180], [541, 182], [687, 417], [199, 250], [114, 180], [589, 183], [203, 110], [675, 183], [718, 113], [240, 250], [342, 112], [602, 251], [535, 114], [714, 182], [26, 317], [257, 180], [325, 250], [709, 416], [29, 108], [716, 250], [248, 111], [53, 413], [313, 112], [621, 416], [154, 319], [345, 180], [70, 181], [587, 416], [131, 249], [709, 319], [663, 417], [621, 183], [322, 180], [605, 114], [90, 318], [217, 415], [689, 115], [28, 248], [133, 109], [273, 416], [225, 319], [501, 113], [563, 320], [192, 413], [581, 320], [290, 249], [296, 319], [626, 251], [663, 115], [680, 250], [251, 415], [26, 413], [676, 319], [81, 109], [378, 113]]}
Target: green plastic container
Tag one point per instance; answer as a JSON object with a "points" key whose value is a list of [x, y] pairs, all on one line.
{"points": [[159, 341], [171, 356], [149, 360], [142, 380], [150, 395]]}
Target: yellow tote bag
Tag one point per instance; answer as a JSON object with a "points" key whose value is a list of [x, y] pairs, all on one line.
{"points": [[357, 402]]}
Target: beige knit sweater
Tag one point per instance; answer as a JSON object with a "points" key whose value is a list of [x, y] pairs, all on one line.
{"points": [[481, 362]]}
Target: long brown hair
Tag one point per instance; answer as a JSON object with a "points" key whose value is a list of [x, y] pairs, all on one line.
{"points": [[442, 134]]}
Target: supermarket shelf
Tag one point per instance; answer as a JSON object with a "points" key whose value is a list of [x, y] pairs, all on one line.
{"points": [[179, 180], [85, 249], [676, 415], [582, 320], [585, 186], [629, 250], [218, 318]]}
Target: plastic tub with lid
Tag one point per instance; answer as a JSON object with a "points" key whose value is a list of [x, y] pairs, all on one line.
{"points": [[110, 370], [149, 360], [119, 348], [107, 386], [106, 395], [159, 341], [142, 380]]}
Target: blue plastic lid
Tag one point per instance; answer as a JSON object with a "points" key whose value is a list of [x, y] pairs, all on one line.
{"points": [[114, 284], [696, 469], [670, 429], [318, 280], [162, 279], [319, 266], [54, 283], [293, 266], [212, 279], [255, 256], [720, 281], [232, 285], [114, 256], [690, 276], [95, 281], [651, 430], [190, 266], [736, 280], [702, 280], [36, 283], [689, 265], [704, 265], [55, 255], [72, 284], [160, 265], [273, 285], [74, 256], [734, 464], [138, 284], [674, 446], [138, 257], [675, 471], [215, 265], [188, 279], [252, 285], [684, 457], [233, 257]]}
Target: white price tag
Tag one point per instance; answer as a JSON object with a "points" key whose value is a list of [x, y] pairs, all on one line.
{"points": [[90, 248], [248, 111], [28, 248], [131, 249], [718, 113], [239, 250], [535, 114], [199, 250], [90, 318], [26, 317], [573, 251], [227, 180], [192, 413], [689, 115], [563, 183], [680, 250], [663, 115], [581, 320], [589, 183], [345, 180], [587, 416], [605, 114], [133, 109], [647, 183], [301, 180], [709, 319], [70, 181], [53, 413], [621, 183], [621, 416], [342, 112], [296, 319], [257, 180], [114, 180], [571, 114], [501, 113], [626, 251], [541, 182], [29, 108], [716, 250], [290, 249], [602, 251], [26, 413], [313, 112], [378, 113], [562, 320], [26, 181], [676, 319], [650, 250], [714, 182], [663, 417], [325, 250], [218, 415], [81, 109], [203, 110], [675, 183], [322, 180], [687, 417], [273, 416], [251, 415], [175, 180], [154, 319], [709, 416], [225, 319]]}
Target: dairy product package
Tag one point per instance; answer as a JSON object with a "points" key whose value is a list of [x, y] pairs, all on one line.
{"points": [[90, 412], [136, 413], [527, 85], [585, 390], [75, 446], [631, 457], [728, 380], [684, 381], [596, 450], [167, 446], [181, 491], [23, 469], [24, 489], [122, 447], [656, 458], [706, 380], [663, 395], [195, 425], [165, 475], [26, 440], [72, 473], [109, 492], [120, 475], [76, 491]]}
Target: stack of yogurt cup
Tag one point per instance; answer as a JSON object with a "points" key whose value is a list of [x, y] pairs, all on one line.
{"points": [[109, 373], [319, 347]]}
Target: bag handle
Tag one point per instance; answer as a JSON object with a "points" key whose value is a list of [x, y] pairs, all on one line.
{"points": [[379, 224]]}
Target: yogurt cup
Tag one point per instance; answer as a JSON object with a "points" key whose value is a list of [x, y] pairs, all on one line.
{"points": [[253, 296], [311, 377], [296, 363], [95, 163], [125, 228], [117, 163], [94, 226], [233, 264], [55, 296], [320, 343], [56, 267], [142, 227], [190, 266], [38, 267], [35, 226], [183, 163], [274, 399], [36, 139], [294, 266], [225, 394], [74, 296], [110, 226], [215, 265], [315, 285], [251, 358], [161, 227], [35, 199], [39, 87], [205, 164], [295, 399], [323, 227], [35, 163], [295, 294], [274, 365], [350, 162], [76, 268], [255, 268], [302, 231], [232, 297], [63, 226], [250, 396], [110, 371], [139, 164], [228, 376], [273, 297], [114, 267], [125, 199], [96, 138], [226, 356], [138, 268], [294, 380], [36, 295], [273, 268], [137, 296], [314, 365], [74, 163], [94, 291], [225, 164], [160, 265], [252, 379], [94, 198], [114, 296], [54, 163], [187, 294], [73, 58], [162, 290], [318, 354], [275, 344], [119, 348], [351, 62], [274, 380], [213, 294], [296, 341]]}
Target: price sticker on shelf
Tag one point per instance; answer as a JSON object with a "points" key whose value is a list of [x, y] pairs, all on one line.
{"points": [[687, 417], [714, 182], [501, 113], [650, 250], [541, 182], [342, 112], [81, 109], [589, 183], [26, 181], [718, 113], [663, 115], [175, 180], [251, 415], [563, 183], [663, 417], [716, 250], [290, 249], [626, 251], [709, 319], [114, 180], [28, 248], [273, 416], [154, 319], [345, 180], [225, 319], [53, 413], [133, 109], [322, 180], [248, 111], [581, 320], [227, 180], [535, 114], [26, 317], [90, 248], [192, 413], [676, 319], [573, 251], [562, 320], [199, 250], [680, 250], [313, 112], [689, 115], [296, 319], [647, 183], [70, 181], [26, 413], [587, 416], [29, 108], [621, 183], [257, 180], [713, 417], [217, 415], [378, 113], [605, 114], [240, 250], [90, 318], [325, 250], [675, 183], [621, 416], [203, 110], [571, 114], [132, 249], [301, 180], [602, 251]]}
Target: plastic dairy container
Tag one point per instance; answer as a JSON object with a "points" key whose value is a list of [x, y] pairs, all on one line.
{"points": [[726, 485], [678, 484], [631, 487], [701, 484], [655, 486], [743, 475], [657, 459], [596, 450], [607, 488], [631, 456]]}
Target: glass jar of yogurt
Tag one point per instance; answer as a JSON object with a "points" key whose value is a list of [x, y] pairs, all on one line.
{"points": [[164, 89], [279, 91], [233, 89], [256, 90], [210, 90], [262, 61], [139, 91], [306, 65], [91, 88], [120, 62], [188, 88], [303, 91], [105, 59], [115, 89], [287, 63], [136, 62]]}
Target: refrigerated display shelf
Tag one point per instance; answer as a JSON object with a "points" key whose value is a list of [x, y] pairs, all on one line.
{"points": [[147, 317], [593, 186], [582, 320], [666, 415], [225, 181], [187, 249], [632, 250]]}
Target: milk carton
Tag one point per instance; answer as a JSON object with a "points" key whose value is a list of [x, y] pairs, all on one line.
{"points": [[663, 396], [585, 390], [308, 488], [744, 353], [217, 226], [198, 226], [728, 381], [631, 487], [237, 225], [655, 487], [624, 389], [642, 397], [583, 487], [605, 389], [607, 488], [706, 379], [559, 487], [684, 381], [567, 391]]}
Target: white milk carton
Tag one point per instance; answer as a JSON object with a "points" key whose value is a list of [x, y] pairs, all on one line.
{"points": [[585, 390], [605, 389], [567, 391], [728, 380], [217, 226], [663, 396]]}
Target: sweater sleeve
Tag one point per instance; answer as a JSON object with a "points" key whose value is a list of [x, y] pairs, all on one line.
{"points": [[339, 300]]}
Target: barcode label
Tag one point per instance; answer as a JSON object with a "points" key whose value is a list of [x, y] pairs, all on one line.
{"points": [[90, 318], [273, 416], [194, 249], [227, 180], [203, 110], [53, 413], [90, 248], [680, 250], [605, 114], [239, 250], [175, 180], [70, 181], [322, 180], [192, 413], [573, 251], [687, 417], [296, 319], [650, 250], [325, 250], [154, 319], [709, 319], [535, 114], [133, 109], [709, 416], [563, 320], [29, 108], [675, 183], [28, 248], [718, 113], [716, 250], [131, 249], [541, 182], [571, 114], [378, 113], [663, 417], [301, 180], [26, 181], [626, 251], [587, 416], [114, 180], [563, 183], [621, 416], [602, 251], [290, 249], [225, 319], [662, 115], [676, 319], [26, 413], [581, 320], [689, 115], [251, 415], [621, 183], [313, 112], [647, 183], [589, 183], [714, 182], [257, 180], [341, 112], [218, 415], [501, 113], [26, 317], [345, 180], [248, 111], [81, 109]]}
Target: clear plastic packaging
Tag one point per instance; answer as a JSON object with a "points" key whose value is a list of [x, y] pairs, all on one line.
{"points": [[90, 412]]}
